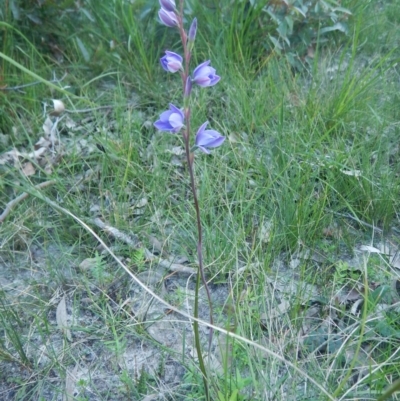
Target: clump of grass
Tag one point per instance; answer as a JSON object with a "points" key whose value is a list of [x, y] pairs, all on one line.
{"points": [[11, 342], [310, 160]]}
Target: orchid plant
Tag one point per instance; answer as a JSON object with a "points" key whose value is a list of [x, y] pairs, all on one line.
{"points": [[177, 120]]}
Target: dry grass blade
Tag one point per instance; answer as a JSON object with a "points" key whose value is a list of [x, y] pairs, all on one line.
{"points": [[20, 198], [182, 313], [70, 381], [62, 318]]}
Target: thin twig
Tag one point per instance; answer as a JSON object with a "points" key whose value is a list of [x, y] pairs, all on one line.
{"points": [[228, 333], [356, 219], [135, 244], [16, 88], [109, 106], [20, 198]]}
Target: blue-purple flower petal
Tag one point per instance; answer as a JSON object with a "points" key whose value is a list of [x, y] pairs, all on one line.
{"points": [[171, 62], [204, 76], [168, 5], [208, 138], [171, 120], [168, 18]]}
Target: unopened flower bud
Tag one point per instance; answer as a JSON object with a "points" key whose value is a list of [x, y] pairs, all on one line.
{"points": [[168, 18], [168, 5], [192, 30], [188, 87]]}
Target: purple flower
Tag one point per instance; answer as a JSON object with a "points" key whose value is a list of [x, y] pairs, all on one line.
{"points": [[171, 120], [192, 30], [168, 18], [208, 138], [171, 62], [203, 75], [168, 5]]}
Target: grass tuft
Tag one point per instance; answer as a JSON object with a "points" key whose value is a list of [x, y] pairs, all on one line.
{"points": [[299, 207]]}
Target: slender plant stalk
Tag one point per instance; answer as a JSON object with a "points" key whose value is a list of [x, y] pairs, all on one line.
{"points": [[172, 121], [200, 276], [190, 160], [390, 390]]}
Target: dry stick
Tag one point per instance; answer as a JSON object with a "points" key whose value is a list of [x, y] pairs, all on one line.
{"points": [[135, 244], [21, 197], [106, 107], [180, 312], [356, 219], [16, 88], [110, 106], [116, 233]]}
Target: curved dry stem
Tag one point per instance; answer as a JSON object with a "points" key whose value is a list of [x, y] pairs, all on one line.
{"points": [[173, 308]]}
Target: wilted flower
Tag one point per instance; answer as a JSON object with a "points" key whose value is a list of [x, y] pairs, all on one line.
{"points": [[208, 138], [168, 5], [203, 75], [168, 18], [171, 120], [171, 62]]}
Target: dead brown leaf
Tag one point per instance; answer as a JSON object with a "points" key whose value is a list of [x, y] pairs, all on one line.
{"points": [[28, 169], [62, 318], [70, 381]]}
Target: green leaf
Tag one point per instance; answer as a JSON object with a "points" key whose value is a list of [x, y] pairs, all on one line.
{"points": [[83, 50], [385, 330], [289, 22], [342, 10], [300, 11], [234, 395], [88, 15], [382, 293], [337, 27], [16, 11], [221, 397], [282, 30], [276, 43]]}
